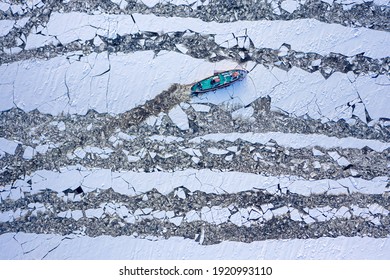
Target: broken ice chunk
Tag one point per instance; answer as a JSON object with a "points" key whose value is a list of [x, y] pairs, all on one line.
{"points": [[289, 5], [224, 39], [330, 2], [6, 216], [97, 41], [65, 214], [243, 42], [359, 111], [343, 212], [268, 215], [206, 214], [16, 9], [316, 63], [236, 219], [41, 149], [170, 214], [254, 214], [15, 194], [317, 152], [155, 121], [243, 113], [159, 214], [6, 26], [94, 213], [138, 212], [216, 151], [176, 220], [125, 136], [195, 159], [280, 211], [266, 207], [307, 219], [378, 209], [201, 108], [77, 214], [79, 152], [229, 157], [182, 48], [316, 165], [219, 214], [334, 155], [150, 3], [61, 126], [121, 3], [343, 161], [283, 50], [28, 153], [180, 193], [4, 6], [319, 214], [232, 149], [190, 151], [192, 216], [8, 146], [295, 215], [179, 117]]}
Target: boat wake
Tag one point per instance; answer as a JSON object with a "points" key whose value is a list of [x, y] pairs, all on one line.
{"points": [[163, 102]]}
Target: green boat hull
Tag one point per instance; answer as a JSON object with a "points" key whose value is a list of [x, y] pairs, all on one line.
{"points": [[219, 80]]}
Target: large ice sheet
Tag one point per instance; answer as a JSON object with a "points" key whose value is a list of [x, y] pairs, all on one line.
{"points": [[122, 247]]}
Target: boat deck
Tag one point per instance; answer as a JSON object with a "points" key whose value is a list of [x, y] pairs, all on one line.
{"points": [[225, 79]]}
